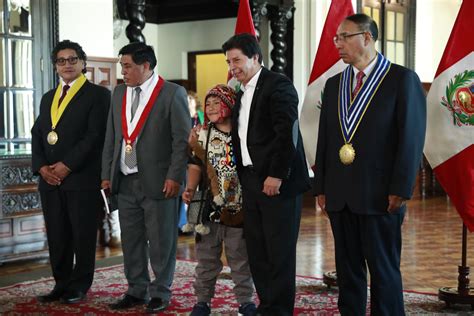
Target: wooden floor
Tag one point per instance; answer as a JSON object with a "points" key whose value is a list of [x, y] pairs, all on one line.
{"points": [[431, 246]]}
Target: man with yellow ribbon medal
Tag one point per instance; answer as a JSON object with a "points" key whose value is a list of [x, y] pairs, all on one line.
{"points": [[67, 140], [370, 143]]}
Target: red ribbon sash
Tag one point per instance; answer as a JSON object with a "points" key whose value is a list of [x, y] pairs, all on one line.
{"points": [[130, 139]]}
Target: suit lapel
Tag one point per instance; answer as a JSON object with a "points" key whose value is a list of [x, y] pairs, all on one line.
{"points": [[256, 94]]}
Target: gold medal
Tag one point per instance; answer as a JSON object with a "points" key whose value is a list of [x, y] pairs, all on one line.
{"points": [[52, 138], [128, 149], [347, 154]]}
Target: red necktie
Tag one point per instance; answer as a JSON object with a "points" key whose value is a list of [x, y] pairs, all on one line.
{"points": [[360, 75], [65, 88]]}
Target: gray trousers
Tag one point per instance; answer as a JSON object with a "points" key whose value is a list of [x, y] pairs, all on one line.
{"points": [[209, 252], [149, 232]]}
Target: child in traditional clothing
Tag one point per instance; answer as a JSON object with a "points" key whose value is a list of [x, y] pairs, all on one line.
{"points": [[213, 160]]}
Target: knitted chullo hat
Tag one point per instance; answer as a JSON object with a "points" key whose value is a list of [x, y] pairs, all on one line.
{"points": [[227, 96]]}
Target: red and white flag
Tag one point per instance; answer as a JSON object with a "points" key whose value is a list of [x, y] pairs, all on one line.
{"points": [[449, 145], [326, 64], [244, 24]]}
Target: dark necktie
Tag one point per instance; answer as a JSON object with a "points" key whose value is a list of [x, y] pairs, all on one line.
{"points": [[65, 88], [360, 76]]}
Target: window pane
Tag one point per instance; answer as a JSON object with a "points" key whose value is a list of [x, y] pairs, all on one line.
{"points": [[376, 16], [1, 17], [23, 114], [3, 79], [400, 53], [400, 26], [3, 118], [21, 65], [366, 10], [390, 51], [20, 18], [390, 25]]}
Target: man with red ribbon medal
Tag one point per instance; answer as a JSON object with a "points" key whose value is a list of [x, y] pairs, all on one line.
{"points": [[144, 165], [67, 140], [370, 142]]}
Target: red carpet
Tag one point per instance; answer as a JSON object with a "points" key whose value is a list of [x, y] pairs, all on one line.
{"points": [[313, 298]]}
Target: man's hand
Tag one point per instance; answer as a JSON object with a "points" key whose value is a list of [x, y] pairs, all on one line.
{"points": [[171, 188], [271, 186], [61, 170], [48, 175], [188, 195], [105, 184], [395, 202], [321, 202]]}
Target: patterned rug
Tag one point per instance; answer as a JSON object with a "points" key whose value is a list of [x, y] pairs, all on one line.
{"points": [[313, 297]]}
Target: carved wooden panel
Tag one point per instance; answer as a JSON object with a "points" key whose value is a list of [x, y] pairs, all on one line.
{"points": [[102, 71], [22, 228]]}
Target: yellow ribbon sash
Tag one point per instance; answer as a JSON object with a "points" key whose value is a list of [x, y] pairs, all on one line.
{"points": [[57, 112]]}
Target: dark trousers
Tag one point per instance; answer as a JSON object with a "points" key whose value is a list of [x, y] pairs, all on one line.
{"points": [[71, 227], [271, 229], [372, 241]]}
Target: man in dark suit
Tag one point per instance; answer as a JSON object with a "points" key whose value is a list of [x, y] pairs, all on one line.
{"points": [[67, 140], [370, 142], [272, 170], [144, 163]]}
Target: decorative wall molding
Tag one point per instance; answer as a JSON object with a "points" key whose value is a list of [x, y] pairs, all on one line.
{"points": [[14, 204]]}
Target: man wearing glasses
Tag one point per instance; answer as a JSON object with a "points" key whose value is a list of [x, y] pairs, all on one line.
{"points": [[67, 140], [370, 143]]}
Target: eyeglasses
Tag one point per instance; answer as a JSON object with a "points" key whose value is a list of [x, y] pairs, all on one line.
{"points": [[70, 60], [344, 36]]}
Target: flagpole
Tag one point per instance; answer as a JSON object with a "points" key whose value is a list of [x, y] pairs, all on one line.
{"points": [[463, 294]]}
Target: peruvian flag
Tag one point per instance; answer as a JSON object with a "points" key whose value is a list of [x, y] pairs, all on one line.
{"points": [[449, 145], [244, 24], [326, 64]]}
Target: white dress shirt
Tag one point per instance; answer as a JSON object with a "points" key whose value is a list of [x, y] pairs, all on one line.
{"points": [[145, 94], [366, 71], [244, 116]]}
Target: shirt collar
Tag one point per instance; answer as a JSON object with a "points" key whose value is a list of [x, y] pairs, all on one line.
{"points": [[146, 85], [252, 82], [367, 69], [69, 84]]}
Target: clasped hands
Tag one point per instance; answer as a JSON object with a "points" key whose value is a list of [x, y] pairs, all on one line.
{"points": [[54, 174]]}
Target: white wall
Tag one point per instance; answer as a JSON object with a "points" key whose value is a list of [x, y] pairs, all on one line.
{"points": [[88, 22], [150, 31], [434, 21], [173, 41]]}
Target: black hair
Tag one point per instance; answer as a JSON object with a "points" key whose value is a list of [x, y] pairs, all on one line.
{"points": [[67, 44], [247, 43], [365, 23], [140, 53]]}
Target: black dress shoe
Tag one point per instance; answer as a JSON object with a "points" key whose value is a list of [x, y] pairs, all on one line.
{"points": [[127, 301], [156, 305], [52, 296], [73, 297]]}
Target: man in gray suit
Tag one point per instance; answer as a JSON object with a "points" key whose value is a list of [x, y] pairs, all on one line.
{"points": [[143, 164]]}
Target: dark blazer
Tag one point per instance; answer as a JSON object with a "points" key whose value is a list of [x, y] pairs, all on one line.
{"points": [[81, 132], [161, 145], [274, 139], [388, 145]]}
